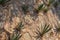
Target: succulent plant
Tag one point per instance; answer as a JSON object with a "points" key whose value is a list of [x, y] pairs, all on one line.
{"points": [[39, 8], [19, 26], [17, 33], [40, 33], [15, 36]]}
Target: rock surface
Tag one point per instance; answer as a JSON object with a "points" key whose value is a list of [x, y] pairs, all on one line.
{"points": [[11, 15]]}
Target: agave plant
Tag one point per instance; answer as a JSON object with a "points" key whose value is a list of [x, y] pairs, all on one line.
{"points": [[39, 8], [40, 33], [19, 26], [24, 8], [15, 36], [2, 2], [43, 5]]}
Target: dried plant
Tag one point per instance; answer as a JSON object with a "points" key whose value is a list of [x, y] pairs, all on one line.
{"points": [[40, 33]]}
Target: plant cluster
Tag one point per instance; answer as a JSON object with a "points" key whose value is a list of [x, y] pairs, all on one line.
{"points": [[16, 34], [45, 6]]}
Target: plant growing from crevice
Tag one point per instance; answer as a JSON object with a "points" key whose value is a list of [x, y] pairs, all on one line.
{"points": [[47, 4], [39, 8], [17, 33], [3, 2], [42, 6], [15, 36], [24, 8], [19, 26], [41, 31]]}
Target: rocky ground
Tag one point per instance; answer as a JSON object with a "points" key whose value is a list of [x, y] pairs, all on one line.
{"points": [[12, 14]]}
